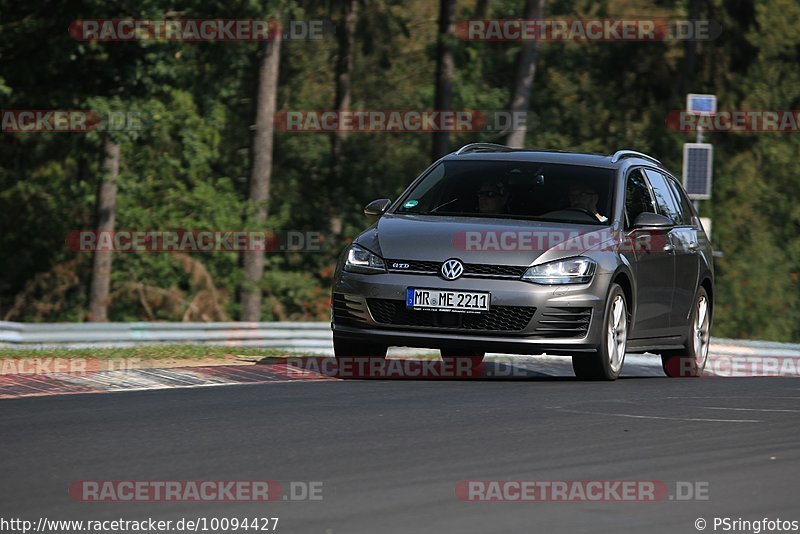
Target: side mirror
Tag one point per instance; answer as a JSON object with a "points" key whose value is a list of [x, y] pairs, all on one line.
{"points": [[376, 208], [653, 221]]}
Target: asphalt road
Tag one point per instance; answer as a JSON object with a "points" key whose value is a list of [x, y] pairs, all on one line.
{"points": [[390, 453]]}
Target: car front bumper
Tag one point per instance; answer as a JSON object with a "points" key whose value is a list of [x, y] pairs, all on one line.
{"points": [[524, 318]]}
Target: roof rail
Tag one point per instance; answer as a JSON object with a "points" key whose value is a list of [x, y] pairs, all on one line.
{"points": [[483, 147], [621, 154]]}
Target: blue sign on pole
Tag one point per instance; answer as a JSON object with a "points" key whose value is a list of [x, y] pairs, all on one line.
{"points": [[701, 104]]}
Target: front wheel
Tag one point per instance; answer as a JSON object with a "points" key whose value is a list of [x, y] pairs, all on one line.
{"points": [[606, 363], [691, 361]]}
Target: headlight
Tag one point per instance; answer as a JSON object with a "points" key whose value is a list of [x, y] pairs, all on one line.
{"points": [[361, 260], [570, 271]]}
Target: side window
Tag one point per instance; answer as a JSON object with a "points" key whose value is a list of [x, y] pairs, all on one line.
{"points": [[667, 205], [686, 207], [637, 196]]}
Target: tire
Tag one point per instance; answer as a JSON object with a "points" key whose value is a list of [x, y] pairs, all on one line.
{"points": [[345, 348], [691, 361], [606, 363], [475, 358]]}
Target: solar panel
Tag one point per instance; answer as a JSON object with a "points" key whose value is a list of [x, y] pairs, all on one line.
{"points": [[697, 169]]}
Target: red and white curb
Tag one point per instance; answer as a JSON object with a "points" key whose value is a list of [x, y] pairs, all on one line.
{"points": [[294, 369], [21, 385]]}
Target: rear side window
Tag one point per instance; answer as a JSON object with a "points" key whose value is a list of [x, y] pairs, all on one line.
{"points": [[637, 196], [667, 205], [685, 206]]}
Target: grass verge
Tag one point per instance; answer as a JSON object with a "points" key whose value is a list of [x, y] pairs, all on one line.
{"points": [[150, 352]]}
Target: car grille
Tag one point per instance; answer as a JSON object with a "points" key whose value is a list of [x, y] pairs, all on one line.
{"points": [[505, 271], [498, 318], [564, 322], [475, 270]]}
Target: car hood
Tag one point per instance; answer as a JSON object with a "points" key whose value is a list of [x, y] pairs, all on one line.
{"points": [[480, 240]]}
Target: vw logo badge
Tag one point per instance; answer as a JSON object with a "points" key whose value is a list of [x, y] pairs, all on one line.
{"points": [[452, 269]]}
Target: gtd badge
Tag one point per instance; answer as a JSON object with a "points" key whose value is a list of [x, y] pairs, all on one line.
{"points": [[452, 269], [400, 266]]}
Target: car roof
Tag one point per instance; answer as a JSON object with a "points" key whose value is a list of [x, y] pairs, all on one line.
{"points": [[488, 152]]}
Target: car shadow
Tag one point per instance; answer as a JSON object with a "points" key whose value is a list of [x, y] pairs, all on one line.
{"points": [[365, 368]]}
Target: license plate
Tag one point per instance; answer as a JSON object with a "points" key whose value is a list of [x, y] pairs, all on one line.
{"points": [[445, 300]]}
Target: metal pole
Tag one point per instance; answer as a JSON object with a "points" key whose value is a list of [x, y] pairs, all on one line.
{"points": [[699, 139]]}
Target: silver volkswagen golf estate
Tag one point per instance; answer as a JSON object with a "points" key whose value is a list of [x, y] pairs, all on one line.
{"points": [[493, 249]]}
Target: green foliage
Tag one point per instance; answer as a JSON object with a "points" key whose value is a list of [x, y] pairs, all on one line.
{"points": [[187, 167]]}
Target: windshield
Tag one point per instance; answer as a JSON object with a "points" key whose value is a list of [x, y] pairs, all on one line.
{"points": [[513, 189]]}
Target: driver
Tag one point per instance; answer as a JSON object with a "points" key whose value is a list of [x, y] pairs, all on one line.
{"points": [[492, 197], [583, 197]]}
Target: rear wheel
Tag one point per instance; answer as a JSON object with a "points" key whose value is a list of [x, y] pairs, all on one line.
{"points": [[606, 363], [473, 357], [691, 361]]}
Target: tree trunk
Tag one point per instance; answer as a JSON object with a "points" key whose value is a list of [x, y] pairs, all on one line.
{"points": [[526, 73], [445, 65], [689, 54], [106, 207], [481, 9], [344, 69], [261, 174], [344, 63]]}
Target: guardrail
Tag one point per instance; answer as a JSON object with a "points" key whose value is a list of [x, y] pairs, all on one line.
{"points": [[296, 335], [283, 335]]}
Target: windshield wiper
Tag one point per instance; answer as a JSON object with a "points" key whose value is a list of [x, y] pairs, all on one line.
{"points": [[434, 210]]}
